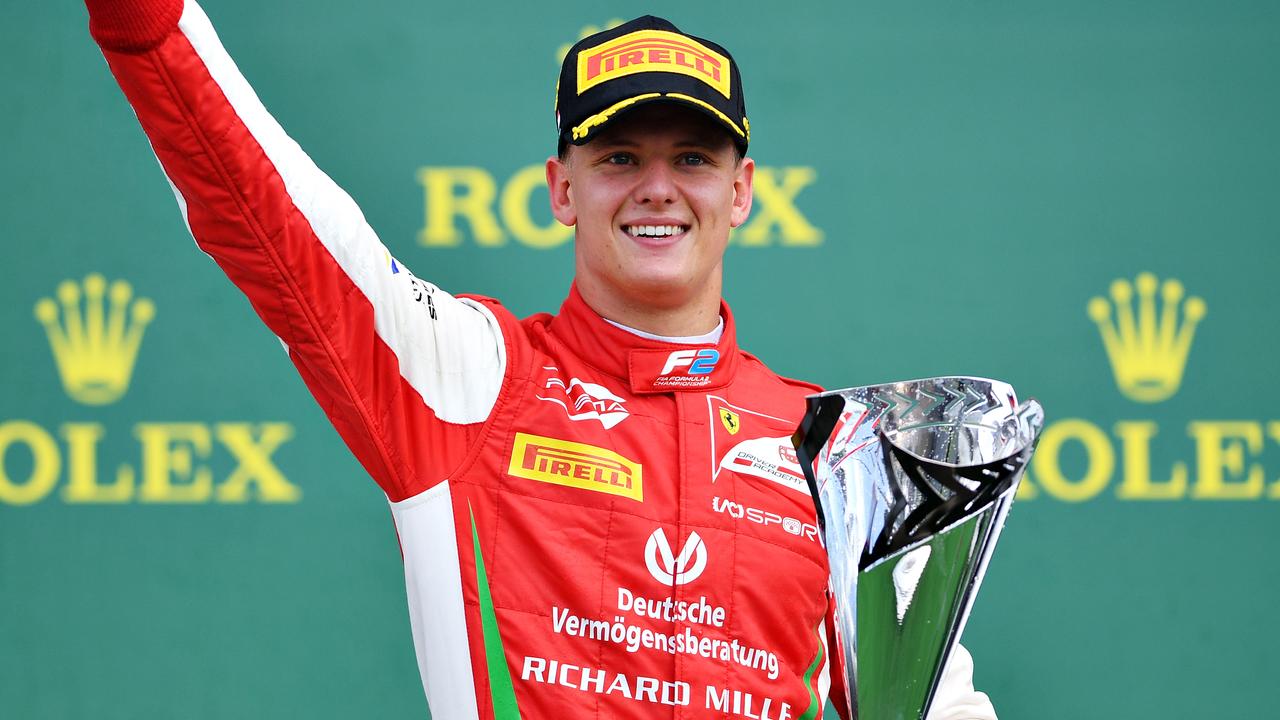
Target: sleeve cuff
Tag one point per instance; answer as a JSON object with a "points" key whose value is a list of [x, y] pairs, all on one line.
{"points": [[132, 26]]}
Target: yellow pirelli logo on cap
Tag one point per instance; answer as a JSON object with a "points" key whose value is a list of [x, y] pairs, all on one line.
{"points": [[578, 465], [652, 51]]}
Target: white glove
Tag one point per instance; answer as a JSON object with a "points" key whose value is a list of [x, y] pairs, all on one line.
{"points": [[956, 699]]}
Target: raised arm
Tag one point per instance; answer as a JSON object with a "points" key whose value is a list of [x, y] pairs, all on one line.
{"points": [[387, 355]]}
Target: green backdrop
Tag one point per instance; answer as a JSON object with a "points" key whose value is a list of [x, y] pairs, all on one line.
{"points": [[947, 187]]}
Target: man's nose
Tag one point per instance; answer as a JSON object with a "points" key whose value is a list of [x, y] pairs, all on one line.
{"points": [[657, 185]]}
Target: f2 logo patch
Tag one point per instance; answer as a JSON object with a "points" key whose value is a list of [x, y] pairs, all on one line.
{"points": [[699, 362]]}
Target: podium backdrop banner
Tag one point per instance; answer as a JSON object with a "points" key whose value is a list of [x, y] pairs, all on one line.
{"points": [[1077, 198]]}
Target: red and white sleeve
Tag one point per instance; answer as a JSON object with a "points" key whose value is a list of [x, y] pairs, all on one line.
{"points": [[404, 371]]}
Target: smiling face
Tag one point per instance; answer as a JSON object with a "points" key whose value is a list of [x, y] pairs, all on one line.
{"points": [[653, 198]]}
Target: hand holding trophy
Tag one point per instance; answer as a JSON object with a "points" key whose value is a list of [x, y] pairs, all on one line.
{"points": [[912, 482]]}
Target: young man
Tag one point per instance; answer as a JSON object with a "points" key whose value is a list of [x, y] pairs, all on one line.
{"points": [[600, 512]]}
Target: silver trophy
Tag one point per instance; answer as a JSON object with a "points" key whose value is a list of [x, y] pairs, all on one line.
{"points": [[913, 481]]}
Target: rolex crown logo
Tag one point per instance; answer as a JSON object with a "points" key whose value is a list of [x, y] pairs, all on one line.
{"points": [[1147, 347], [94, 333]]}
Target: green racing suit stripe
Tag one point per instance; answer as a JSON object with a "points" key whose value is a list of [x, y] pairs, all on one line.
{"points": [[501, 690], [814, 708]]}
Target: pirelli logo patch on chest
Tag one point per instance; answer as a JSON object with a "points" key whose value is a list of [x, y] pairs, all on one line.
{"points": [[577, 465], [652, 51]]}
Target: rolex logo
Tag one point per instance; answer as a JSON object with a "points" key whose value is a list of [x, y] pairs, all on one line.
{"points": [[1147, 345], [94, 332]]}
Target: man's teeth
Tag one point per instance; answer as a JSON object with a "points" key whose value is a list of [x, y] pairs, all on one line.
{"points": [[653, 230]]}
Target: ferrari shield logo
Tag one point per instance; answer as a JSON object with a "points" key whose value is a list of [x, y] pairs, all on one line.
{"points": [[730, 420]]}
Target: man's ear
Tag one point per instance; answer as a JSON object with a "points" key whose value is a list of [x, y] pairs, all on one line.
{"points": [[560, 192], [743, 176]]}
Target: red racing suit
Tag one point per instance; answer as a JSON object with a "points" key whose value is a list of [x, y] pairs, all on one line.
{"points": [[594, 524]]}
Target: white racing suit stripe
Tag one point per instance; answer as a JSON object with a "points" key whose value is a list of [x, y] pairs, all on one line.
{"points": [[433, 579]]}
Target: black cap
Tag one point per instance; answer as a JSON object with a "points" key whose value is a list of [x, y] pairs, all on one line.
{"points": [[643, 61]]}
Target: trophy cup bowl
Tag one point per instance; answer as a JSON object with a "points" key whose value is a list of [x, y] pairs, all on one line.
{"points": [[912, 483]]}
